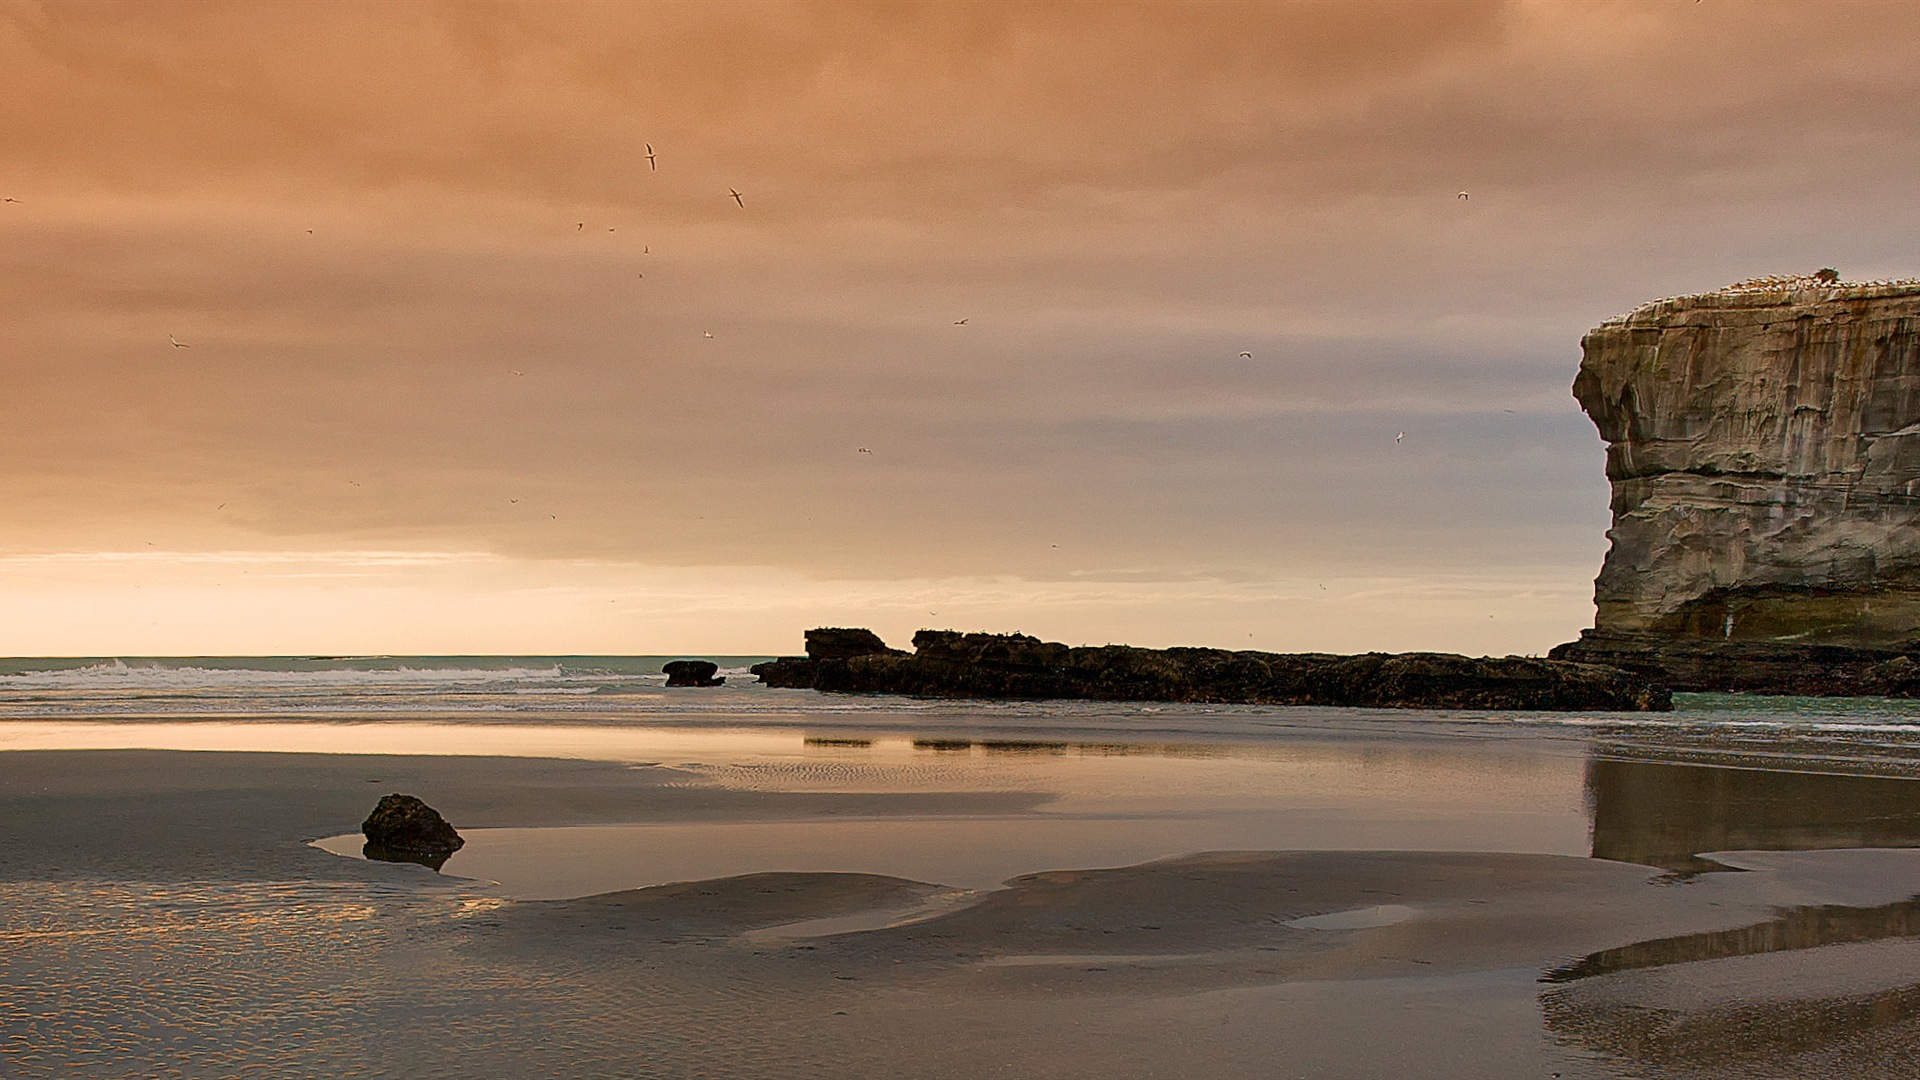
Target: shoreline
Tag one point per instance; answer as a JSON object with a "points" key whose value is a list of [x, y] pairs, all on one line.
{"points": [[142, 868]]}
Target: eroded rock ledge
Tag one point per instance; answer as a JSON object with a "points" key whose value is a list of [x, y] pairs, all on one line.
{"points": [[1763, 446], [946, 663]]}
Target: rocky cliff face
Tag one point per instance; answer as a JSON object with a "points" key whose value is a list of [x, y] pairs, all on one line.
{"points": [[1763, 443]]}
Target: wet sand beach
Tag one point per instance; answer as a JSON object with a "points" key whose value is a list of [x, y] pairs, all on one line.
{"points": [[165, 913]]}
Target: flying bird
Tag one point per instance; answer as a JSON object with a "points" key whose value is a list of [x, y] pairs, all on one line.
{"points": [[1246, 354], [1463, 195], [959, 322], [737, 198], [706, 333], [580, 226], [1400, 437], [177, 343], [652, 166], [864, 450], [11, 199], [516, 371]]}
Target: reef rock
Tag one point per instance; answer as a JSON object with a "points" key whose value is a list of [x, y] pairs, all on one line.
{"points": [[950, 664], [404, 829], [1763, 445], [692, 673], [825, 643]]}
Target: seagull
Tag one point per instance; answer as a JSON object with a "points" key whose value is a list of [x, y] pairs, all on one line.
{"points": [[1463, 195], [580, 226], [1400, 437], [864, 450], [177, 343], [959, 322], [11, 199], [1246, 354], [706, 333], [513, 500], [737, 198], [652, 166]]}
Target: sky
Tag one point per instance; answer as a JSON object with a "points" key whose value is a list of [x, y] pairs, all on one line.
{"points": [[463, 373]]}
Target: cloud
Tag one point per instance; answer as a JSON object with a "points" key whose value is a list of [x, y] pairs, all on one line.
{"points": [[405, 245]]}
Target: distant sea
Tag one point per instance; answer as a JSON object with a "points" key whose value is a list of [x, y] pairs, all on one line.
{"points": [[631, 690], [179, 687]]}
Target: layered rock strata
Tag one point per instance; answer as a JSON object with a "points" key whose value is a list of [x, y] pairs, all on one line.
{"points": [[949, 664], [1763, 446]]}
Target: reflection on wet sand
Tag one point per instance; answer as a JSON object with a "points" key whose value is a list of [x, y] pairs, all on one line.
{"points": [[1665, 1007], [1800, 928], [1846, 1035], [382, 853], [1080, 749], [1664, 815]]}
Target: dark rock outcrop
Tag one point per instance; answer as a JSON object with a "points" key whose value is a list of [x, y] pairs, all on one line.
{"points": [[1763, 446], [404, 829], [1752, 667], [844, 643], [824, 643], [950, 664], [692, 673]]}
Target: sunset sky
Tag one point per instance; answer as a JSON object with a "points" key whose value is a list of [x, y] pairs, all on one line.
{"points": [[448, 385]]}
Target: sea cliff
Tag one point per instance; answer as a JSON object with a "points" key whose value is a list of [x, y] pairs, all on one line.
{"points": [[1763, 447]]}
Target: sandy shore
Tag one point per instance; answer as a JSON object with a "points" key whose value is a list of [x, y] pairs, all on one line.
{"points": [[162, 915]]}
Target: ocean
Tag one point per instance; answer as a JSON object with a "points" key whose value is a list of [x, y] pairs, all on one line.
{"points": [[632, 689]]}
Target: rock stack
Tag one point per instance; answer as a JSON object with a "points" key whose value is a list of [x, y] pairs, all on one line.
{"points": [[1763, 446]]}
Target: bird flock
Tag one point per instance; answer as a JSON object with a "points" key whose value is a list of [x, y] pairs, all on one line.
{"points": [[1772, 283]]}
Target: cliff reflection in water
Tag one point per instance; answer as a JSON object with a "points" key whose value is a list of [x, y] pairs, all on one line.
{"points": [[1798, 928], [1664, 815], [1857, 1035], [1683, 1023]]}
